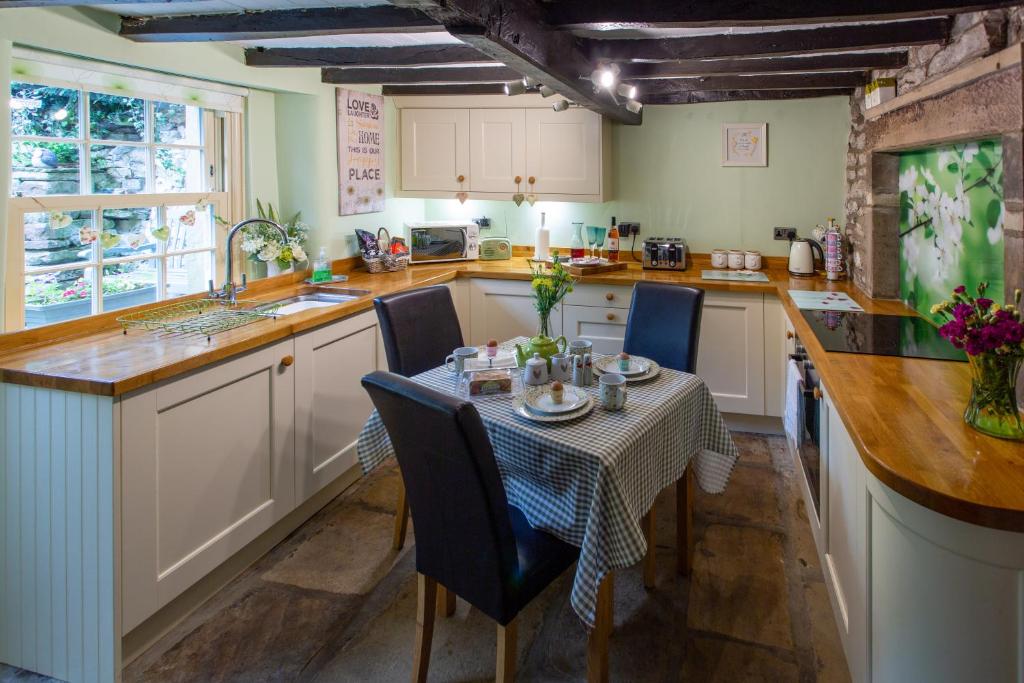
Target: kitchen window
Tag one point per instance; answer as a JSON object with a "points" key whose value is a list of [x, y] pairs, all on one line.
{"points": [[120, 195]]}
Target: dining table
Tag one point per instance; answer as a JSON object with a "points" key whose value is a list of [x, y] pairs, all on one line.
{"points": [[592, 481]]}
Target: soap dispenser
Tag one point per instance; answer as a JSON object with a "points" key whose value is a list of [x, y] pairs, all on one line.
{"points": [[540, 252]]}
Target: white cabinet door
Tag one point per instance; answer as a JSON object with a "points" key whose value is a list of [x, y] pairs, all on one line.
{"points": [[563, 151], [331, 406], [730, 355], [435, 149], [775, 356], [503, 309], [497, 149], [208, 464], [605, 327]]}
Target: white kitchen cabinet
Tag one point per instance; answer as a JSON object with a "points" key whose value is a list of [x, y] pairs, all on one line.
{"points": [[331, 406], [604, 327], [497, 149], [435, 149], [563, 151], [503, 309], [207, 466], [731, 352]]}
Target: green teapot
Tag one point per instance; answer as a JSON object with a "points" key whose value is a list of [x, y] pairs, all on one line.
{"points": [[542, 344]]}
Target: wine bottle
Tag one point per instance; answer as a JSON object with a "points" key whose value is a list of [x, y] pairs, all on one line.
{"points": [[613, 242]]}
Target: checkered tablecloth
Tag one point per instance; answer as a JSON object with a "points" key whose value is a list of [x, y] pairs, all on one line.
{"points": [[589, 481]]}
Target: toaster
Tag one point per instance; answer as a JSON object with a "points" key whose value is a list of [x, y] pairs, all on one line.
{"points": [[495, 249], [664, 253]]}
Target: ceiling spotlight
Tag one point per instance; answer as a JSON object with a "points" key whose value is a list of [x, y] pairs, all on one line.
{"points": [[516, 87], [545, 91], [530, 82], [626, 90], [561, 105], [634, 106]]}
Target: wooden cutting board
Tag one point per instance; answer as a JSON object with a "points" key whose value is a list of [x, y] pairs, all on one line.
{"points": [[580, 271]]}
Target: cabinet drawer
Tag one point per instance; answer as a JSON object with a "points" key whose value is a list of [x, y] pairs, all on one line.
{"points": [[605, 296], [605, 327]]}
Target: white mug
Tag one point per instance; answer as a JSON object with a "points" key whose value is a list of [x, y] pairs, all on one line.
{"points": [[561, 367], [719, 258], [580, 347], [456, 362], [735, 259], [613, 391], [752, 260]]}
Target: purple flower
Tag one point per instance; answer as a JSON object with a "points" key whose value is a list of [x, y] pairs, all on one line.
{"points": [[960, 290], [984, 303], [954, 329], [963, 311]]}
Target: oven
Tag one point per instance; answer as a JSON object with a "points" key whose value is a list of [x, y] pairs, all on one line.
{"points": [[437, 241], [803, 418]]}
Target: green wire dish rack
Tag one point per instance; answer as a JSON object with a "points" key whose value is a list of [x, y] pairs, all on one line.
{"points": [[198, 317]]}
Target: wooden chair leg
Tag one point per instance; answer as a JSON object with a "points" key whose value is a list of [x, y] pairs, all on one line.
{"points": [[650, 566], [425, 597], [401, 517], [684, 523], [445, 601], [597, 642], [506, 671]]}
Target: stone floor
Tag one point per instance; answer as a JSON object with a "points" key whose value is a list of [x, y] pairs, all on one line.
{"points": [[333, 602]]}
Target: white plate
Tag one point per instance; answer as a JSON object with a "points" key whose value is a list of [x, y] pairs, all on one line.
{"points": [[520, 408], [538, 400], [651, 373], [637, 366]]}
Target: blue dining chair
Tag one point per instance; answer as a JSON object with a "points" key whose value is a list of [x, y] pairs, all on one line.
{"points": [[468, 537]]}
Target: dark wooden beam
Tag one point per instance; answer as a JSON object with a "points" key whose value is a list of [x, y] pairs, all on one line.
{"points": [[632, 14], [783, 42], [409, 55], [453, 89], [702, 67], [698, 96], [841, 79], [390, 75], [278, 24], [52, 3], [515, 34]]}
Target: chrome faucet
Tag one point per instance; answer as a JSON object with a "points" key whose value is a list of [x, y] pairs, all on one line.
{"points": [[230, 290]]}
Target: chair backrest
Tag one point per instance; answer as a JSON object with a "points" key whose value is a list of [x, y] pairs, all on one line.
{"points": [[664, 324], [420, 328], [464, 537]]}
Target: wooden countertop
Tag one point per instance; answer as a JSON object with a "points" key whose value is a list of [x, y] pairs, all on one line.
{"points": [[904, 415]]}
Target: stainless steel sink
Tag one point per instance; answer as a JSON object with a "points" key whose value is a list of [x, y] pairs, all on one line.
{"points": [[316, 299]]}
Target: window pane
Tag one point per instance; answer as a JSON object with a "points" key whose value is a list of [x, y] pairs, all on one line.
{"points": [[53, 238], [178, 170], [54, 297], [128, 232], [189, 227], [44, 112], [189, 274], [177, 123], [39, 168], [117, 118], [129, 284], [118, 169]]}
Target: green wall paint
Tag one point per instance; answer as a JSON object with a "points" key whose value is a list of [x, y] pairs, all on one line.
{"points": [[667, 175]]}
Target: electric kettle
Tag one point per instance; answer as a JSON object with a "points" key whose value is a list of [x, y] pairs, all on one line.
{"points": [[801, 256]]}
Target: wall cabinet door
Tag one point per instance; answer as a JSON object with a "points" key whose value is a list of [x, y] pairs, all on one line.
{"points": [[331, 406], [435, 149], [730, 356], [208, 464], [563, 151], [503, 309], [605, 327], [497, 149]]}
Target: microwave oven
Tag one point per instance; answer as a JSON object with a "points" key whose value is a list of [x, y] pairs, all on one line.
{"points": [[437, 241]]}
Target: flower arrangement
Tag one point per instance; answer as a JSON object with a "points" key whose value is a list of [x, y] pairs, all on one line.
{"points": [[993, 337], [262, 243], [549, 288]]}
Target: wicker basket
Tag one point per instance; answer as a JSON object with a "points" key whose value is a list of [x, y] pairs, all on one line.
{"points": [[385, 262]]}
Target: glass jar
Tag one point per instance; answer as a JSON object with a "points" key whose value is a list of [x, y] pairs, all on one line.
{"points": [[992, 408]]}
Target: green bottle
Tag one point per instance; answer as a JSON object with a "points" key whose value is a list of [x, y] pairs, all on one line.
{"points": [[322, 267]]}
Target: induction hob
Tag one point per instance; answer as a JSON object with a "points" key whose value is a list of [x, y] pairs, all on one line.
{"points": [[882, 335]]}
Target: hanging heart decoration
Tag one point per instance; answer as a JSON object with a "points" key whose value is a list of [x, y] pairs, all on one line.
{"points": [[518, 198], [462, 197], [161, 233], [109, 239], [531, 199]]}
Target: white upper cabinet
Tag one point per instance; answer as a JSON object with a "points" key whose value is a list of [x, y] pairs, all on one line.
{"points": [[497, 149], [563, 151], [435, 149]]}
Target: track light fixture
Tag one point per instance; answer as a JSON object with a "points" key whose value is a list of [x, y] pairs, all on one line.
{"points": [[633, 106], [545, 91], [561, 105], [604, 77], [626, 90], [516, 87]]}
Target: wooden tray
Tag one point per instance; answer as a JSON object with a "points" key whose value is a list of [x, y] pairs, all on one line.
{"points": [[580, 271]]}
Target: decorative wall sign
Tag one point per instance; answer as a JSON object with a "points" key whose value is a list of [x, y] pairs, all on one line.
{"points": [[744, 144], [360, 152]]}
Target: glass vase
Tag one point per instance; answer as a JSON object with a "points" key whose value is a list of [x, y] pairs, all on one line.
{"points": [[992, 408], [545, 324]]}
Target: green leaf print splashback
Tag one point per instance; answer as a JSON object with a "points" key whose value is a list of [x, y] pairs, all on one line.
{"points": [[951, 222]]}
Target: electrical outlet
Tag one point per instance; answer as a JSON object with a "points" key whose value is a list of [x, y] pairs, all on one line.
{"points": [[785, 233], [483, 222], [627, 229]]}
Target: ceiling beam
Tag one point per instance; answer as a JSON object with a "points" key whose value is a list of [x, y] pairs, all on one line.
{"points": [[514, 33], [450, 89], [277, 24], [698, 96], [841, 79], [51, 3], [808, 63], [634, 14], [409, 55], [400, 75], [782, 42]]}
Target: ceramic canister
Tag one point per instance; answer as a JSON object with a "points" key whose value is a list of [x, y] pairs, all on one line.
{"points": [[736, 259], [752, 260], [719, 258], [536, 371]]}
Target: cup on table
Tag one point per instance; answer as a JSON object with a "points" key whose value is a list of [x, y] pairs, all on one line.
{"points": [[561, 367], [736, 259], [719, 258], [580, 347], [752, 260], [613, 391], [456, 361]]}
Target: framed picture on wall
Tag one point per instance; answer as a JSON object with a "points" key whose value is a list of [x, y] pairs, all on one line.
{"points": [[744, 144]]}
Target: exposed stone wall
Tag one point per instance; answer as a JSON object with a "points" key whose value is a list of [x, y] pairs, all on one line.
{"points": [[973, 36]]}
